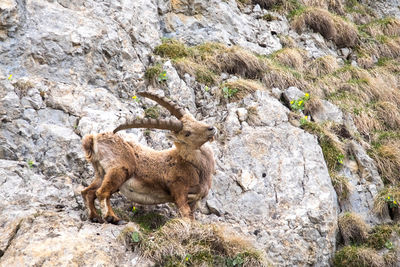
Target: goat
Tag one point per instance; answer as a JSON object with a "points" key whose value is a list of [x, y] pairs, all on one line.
{"points": [[181, 174]]}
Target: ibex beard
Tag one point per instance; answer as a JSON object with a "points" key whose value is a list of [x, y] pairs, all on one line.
{"points": [[181, 174]]}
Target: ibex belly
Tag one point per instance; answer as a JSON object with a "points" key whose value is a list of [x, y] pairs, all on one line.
{"points": [[137, 192]]}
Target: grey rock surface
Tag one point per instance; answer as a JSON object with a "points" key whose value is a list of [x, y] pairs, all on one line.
{"points": [[385, 7], [365, 184], [292, 93], [328, 112], [41, 224], [197, 22]]}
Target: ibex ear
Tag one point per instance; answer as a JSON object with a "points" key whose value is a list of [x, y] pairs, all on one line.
{"points": [[171, 136]]}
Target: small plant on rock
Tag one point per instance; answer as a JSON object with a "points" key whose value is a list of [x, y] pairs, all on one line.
{"points": [[162, 77], [340, 159], [392, 202], [135, 237], [303, 120], [387, 198], [153, 72], [229, 92], [298, 104], [136, 99], [30, 163], [152, 112]]}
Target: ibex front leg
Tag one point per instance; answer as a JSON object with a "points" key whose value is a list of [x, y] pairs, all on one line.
{"points": [[180, 195], [112, 181]]}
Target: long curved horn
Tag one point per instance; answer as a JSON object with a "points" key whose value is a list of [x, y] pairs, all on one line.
{"points": [[173, 108], [164, 124]]}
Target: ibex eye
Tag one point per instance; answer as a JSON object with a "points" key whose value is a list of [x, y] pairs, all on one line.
{"points": [[187, 134]]}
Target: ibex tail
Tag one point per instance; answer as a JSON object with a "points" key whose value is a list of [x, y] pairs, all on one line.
{"points": [[87, 144]]}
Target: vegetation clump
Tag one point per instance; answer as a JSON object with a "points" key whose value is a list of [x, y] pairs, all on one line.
{"points": [[330, 26], [291, 58], [379, 236], [152, 112], [209, 59], [353, 228], [238, 89], [353, 256], [387, 199], [153, 72], [180, 242], [172, 49]]}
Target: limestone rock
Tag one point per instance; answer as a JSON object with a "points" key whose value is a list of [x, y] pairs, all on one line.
{"points": [[196, 22], [282, 193], [385, 8], [365, 182], [54, 239], [292, 93], [328, 112]]}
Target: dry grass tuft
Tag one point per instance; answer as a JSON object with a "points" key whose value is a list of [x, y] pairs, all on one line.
{"points": [[389, 114], [322, 66], [383, 47], [287, 41], [366, 122], [199, 71], [207, 60], [387, 160], [291, 57], [282, 77], [240, 62], [365, 62], [331, 27], [313, 105], [386, 26], [353, 228], [357, 256], [341, 185], [180, 242], [333, 5], [379, 235], [243, 87]]}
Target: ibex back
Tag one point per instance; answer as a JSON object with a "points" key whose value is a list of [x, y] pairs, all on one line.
{"points": [[181, 174]]}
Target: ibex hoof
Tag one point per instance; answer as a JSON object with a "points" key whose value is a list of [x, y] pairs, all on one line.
{"points": [[114, 220], [97, 220]]}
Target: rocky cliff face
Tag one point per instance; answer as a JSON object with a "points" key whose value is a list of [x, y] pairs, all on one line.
{"points": [[69, 68]]}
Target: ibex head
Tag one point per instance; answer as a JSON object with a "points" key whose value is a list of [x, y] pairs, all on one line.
{"points": [[185, 131]]}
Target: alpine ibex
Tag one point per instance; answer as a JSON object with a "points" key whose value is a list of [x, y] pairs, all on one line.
{"points": [[181, 174]]}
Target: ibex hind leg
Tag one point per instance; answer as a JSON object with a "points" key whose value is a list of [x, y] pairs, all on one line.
{"points": [[89, 196], [112, 181]]}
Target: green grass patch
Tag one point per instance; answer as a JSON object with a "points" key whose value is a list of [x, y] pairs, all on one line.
{"points": [[149, 221], [152, 112], [171, 48], [353, 256], [380, 236], [153, 72]]}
